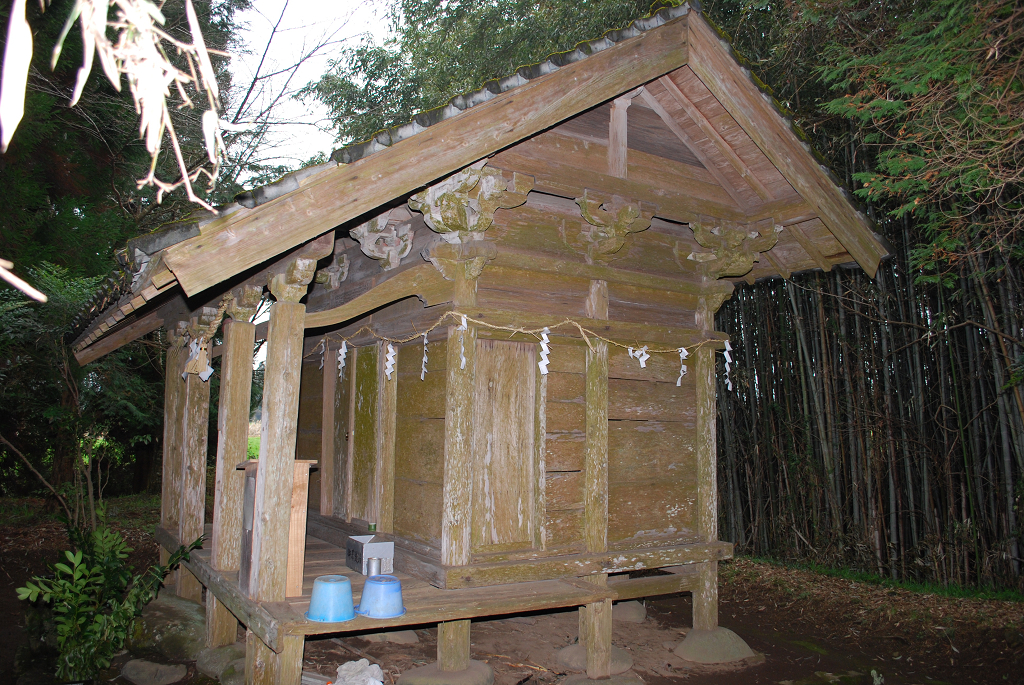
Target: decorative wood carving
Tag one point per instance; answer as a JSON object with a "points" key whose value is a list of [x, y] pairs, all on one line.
{"points": [[734, 247], [334, 275], [609, 220], [470, 258], [291, 285], [464, 204], [386, 238], [244, 302]]}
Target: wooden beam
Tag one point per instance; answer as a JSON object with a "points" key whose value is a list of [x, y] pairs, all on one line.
{"points": [[617, 143], [249, 237], [616, 561], [713, 64], [131, 331], [777, 264], [708, 163], [423, 281], [595, 488], [797, 231], [297, 527], [716, 139], [625, 587]]}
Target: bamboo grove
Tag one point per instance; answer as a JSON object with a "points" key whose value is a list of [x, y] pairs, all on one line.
{"points": [[876, 424]]}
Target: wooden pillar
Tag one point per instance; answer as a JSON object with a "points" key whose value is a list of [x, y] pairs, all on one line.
{"points": [[453, 645], [263, 666], [453, 636], [458, 433], [174, 400], [272, 509], [705, 597], [327, 437], [387, 408], [596, 618], [195, 435], [232, 449], [617, 140]]}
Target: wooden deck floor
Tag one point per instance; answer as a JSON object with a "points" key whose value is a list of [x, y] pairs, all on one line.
{"points": [[425, 604]]}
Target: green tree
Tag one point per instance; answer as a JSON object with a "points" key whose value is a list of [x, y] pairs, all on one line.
{"points": [[441, 49]]}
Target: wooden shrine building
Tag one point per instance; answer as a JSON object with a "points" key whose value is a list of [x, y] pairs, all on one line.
{"points": [[610, 195]]}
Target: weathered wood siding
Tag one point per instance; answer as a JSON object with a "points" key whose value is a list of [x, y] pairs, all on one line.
{"points": [[565, 443], [308, 438], [419, 443], [652, 469]]}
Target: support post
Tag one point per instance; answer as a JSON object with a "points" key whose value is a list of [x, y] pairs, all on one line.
{"points": [[195, 428], [705, 599], [272, 509], [232, 449], [387, 419], [453, 645], [263, 666], [327, 460], [458, 433], [174, 399], [596, 619]]}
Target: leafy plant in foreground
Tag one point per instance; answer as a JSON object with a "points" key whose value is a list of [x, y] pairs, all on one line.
{"points": [[95, 597]]}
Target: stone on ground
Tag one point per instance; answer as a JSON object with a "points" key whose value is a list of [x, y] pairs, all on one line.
{"points": [[398, 637], [142, 672], [627, 678], [173, 626], [575, 658], [234, 674], [719, 646], [213, 660], [478, 673], [631, 612]]}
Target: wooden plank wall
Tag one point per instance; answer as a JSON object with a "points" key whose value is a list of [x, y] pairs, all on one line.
{"points": [[565, 443], [652, 472], [364, 448], [419, 443], [503, 471]]}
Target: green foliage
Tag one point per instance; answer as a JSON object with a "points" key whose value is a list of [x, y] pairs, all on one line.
{"points": [[252, 451], [939, 97], [95, 598], [441, 49]]}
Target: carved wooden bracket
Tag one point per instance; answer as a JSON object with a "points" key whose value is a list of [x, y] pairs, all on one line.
{"points": [[334, 275], [734, 247], [470, 258], [291, 285], [464, 204], [386, 238], [609, 221], [245, 300]]}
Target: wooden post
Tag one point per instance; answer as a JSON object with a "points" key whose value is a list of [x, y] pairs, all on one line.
{"points": [[387, 408], [297, 527], [617, 140], [232, 448], [705, 598], [327, 460], [195, 429], [265, 667], [596, 618], [458, 434], [272, 508], [174, 399], [453, 645]]}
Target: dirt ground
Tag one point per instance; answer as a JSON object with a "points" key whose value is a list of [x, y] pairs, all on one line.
{"points": [[809, 628]]}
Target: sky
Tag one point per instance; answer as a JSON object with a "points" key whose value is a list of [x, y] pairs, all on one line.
{"points": [[300, 133]]}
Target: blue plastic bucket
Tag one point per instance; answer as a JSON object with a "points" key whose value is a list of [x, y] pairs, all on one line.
{"points": [[331, 601], [382, 598]]}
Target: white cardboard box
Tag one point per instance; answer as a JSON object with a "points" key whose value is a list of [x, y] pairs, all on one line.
{"points": [[359, 548]]}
